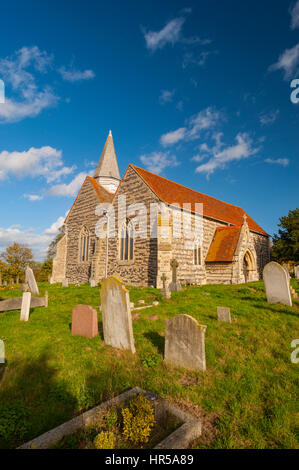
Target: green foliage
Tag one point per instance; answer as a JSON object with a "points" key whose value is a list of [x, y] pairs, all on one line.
{"points": [[150, 359], [286, 243], [104, 440], [111, 418], [13, 421], [53, 245], [138, 420]]}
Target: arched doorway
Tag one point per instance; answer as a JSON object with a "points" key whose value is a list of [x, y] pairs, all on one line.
{"points": [[248, 266]]}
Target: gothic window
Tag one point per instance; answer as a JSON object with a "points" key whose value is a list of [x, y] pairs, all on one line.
{"points": [[127, 242], [84, 244], [197, 253]]}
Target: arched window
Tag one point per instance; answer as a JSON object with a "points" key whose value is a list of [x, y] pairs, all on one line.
{"points": [[84, 244], [197, 253], [127, 242]]}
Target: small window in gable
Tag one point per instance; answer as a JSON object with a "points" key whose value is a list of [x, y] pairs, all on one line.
{"points": [[127, 242], [197, 253], [84, 244]]}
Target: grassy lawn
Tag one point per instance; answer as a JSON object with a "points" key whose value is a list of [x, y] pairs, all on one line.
{"points": [[246, 398]]}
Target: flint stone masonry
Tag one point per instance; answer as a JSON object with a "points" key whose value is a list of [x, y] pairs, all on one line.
{"points": [[224, 314], [277, 284], [85, 321], [30, 280], [116, 314], [25, 309], [15, 303], [185, 343]]}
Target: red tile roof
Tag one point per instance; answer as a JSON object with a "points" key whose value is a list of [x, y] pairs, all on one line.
{"points": [[224, 244], [170, 192]]}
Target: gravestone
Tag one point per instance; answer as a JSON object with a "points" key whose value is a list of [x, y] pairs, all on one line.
{"points": [[25, 287], [65, 283], [85, 321], [92, 283], [2, 352], [185, 343], [286, 268], [165, 291], [224, 314], [296, 271], [25, 309], [30, 280], [116, 314], [15, 303], [277, 284], [174, 285]]}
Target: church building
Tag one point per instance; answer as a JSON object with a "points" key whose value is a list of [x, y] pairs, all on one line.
{"points": [[231, 249]]}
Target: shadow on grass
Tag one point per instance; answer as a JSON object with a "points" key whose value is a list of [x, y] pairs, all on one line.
{"points": [[275, 310], [32, 401], [156, 339]]}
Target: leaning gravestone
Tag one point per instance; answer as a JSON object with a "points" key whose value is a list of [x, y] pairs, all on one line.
{"points": [[25, 309], [185, 343], [174, 285], [224, 314], [116, 314], [30, 280], [296, 271], [85, 321], [277, 284]]}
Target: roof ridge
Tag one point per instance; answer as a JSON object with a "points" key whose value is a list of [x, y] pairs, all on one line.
{"points": [[186, 187]]}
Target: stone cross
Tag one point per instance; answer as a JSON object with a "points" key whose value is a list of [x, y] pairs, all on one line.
{"points": [[164, 279], [174, 264], [244, 217]]}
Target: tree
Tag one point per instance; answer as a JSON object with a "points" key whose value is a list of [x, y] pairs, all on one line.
{"points": [[286, 242], [53, 245], [17, 257]]}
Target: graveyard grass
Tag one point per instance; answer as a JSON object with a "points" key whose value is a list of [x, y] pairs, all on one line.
{"points": [[246, 398]]}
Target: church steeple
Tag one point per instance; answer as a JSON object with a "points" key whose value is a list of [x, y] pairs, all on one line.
{"points": [[107, 172]]}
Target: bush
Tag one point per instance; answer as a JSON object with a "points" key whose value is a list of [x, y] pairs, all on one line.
{"points": [[104, 440], [111, 418], [138, 420]]}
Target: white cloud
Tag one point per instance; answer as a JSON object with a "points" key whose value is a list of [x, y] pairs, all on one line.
{"points": [[171, 33], [69, 190], [158, 161], [278, 161], [221, 156], [15, 71], [166, 96], [173, 137], [269, 118], [288, 61], [190, 59], [45, 161], [205, 120], [37, 242], [295, 16], [73, 75], [33, 197]]}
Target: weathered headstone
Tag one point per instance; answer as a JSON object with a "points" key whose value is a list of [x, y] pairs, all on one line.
{"points": [[224, 314], [286, 268], [25, 287], [296, 271], [174, 285], [85, 321], [2, 352], [15, 303], [277, 284], [65, 283], [165, 291], [25, 309], [185, 343], [30, 280], [116, 314], [92, 283]]}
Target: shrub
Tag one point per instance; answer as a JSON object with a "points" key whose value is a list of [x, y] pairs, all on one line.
{"points": [[111, 418], [138, 420], [104, 440]]}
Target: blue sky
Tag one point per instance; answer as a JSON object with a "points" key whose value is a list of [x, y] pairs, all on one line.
{"points": [[197, 91]]}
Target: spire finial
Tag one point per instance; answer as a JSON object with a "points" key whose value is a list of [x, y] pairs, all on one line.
{"points": [[110, 133], [244, 217]]}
